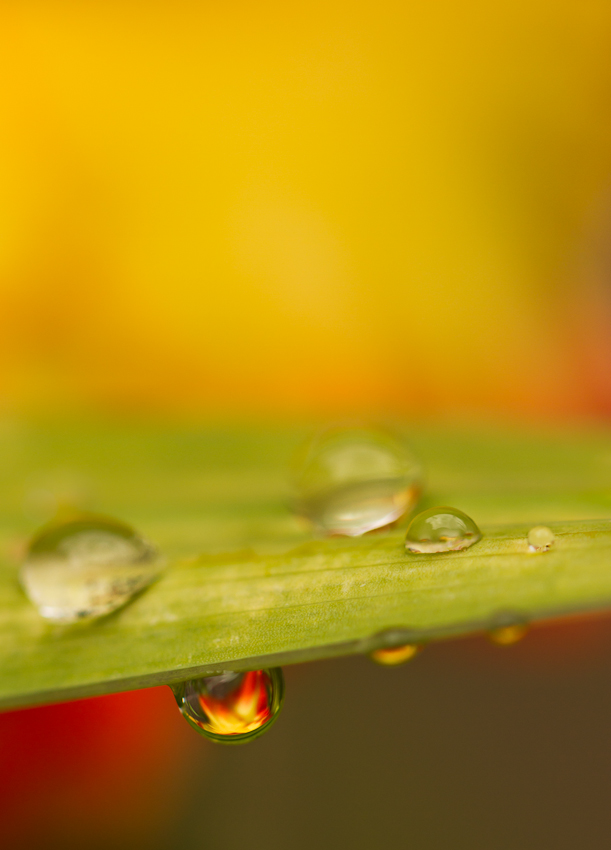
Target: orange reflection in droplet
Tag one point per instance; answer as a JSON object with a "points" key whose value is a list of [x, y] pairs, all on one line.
{"points": [[395, 654], [506, 635], [246, 708]]}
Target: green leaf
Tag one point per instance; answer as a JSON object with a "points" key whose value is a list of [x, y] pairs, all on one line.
{"points": [[247, 586]]}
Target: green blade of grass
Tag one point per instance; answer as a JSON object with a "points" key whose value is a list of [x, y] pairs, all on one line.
{"points": [[246, 586]]}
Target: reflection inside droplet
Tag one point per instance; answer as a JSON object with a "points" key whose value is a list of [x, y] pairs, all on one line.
{"points": [[506, 635], [86, 567], [353, 480], [232, 708], [390, 656], [508, 627], [441, 529]]}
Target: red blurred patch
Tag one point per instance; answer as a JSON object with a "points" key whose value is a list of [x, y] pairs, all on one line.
{"points": [[92, 771]]}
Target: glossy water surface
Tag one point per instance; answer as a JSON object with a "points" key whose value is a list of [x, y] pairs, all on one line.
{"points": [[441, 529], [540, 538], [85, 567], [232, 708], [352, 480]]}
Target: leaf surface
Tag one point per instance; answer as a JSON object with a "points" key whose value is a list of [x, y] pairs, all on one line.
{"points": [[248, 586]]}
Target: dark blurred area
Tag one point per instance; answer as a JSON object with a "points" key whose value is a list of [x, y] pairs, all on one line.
{"points": [[471, 745]]}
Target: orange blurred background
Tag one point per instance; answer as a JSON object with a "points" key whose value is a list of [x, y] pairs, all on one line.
{"points": [[279, 209], [262, 207]]}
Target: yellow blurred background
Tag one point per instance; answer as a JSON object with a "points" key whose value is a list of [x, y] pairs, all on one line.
{"points": [[300, 208]]}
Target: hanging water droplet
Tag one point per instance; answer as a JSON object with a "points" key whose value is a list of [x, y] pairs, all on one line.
{"points": [[506, 635], [86, 566], [540, 538], [232, 708], [390, 656], [508, 627], [441, 530], [353, 480]]}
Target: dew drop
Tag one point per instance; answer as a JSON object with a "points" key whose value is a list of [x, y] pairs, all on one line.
{"points": [[391, 656], [540, 538], [232, 708], [85, 567], [508, 627], [353, 480], [506, 635], [441, 529]]}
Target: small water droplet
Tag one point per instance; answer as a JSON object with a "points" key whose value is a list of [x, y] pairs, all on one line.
{"points": [[506, 635], [353, 480], [441, 529], [508, 628], [390, 656], [85, 567], [540, 538], [232, 708]]}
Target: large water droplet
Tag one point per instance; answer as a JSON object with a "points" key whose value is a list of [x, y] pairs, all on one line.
{"points": [[391, 656], [85, 567], [441, 530], [353, 480], [540, 538], [232, 708]]}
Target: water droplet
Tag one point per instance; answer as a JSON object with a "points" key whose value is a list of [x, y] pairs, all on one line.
{"points": [[508, 627], [441, 530], [390, 656], [232, 708], [353, 480], [540, 538], [86, 566], [506, 635]]}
